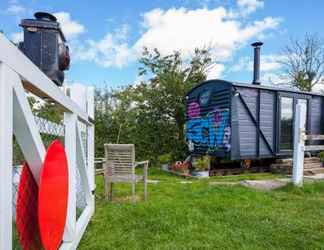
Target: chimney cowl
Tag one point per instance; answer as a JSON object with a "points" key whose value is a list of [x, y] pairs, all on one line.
{"points": [[257, 44], [45, 16]]}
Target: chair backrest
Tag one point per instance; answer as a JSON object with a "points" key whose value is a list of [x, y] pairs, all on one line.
{"points": [[120, 158]]}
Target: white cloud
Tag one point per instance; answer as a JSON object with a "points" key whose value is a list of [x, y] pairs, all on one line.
{"points": [[241, 65], [16, 9], [273, 77], [17, 37], [184, 30], [248, 6], [270, 66], [319, 88], [270, 62], [111, 50], [215, 71], [70, 27], [222, 30]]}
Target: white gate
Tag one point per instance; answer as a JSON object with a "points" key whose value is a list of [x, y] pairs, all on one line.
{"points": [[18, 74]]}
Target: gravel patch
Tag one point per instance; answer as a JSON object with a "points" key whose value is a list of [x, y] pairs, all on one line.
{"points": [[316, 177], [265, 184], [224, 183]]}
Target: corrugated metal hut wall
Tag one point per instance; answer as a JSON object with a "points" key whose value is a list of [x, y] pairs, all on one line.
{"points": [[315, 118], [208, 128], [256, 120], [243, 122], [253, 123], [316, 115]]}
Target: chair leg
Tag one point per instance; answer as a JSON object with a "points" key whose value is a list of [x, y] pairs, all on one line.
{"points": [[108, 190], [145, 180], [133, 192], [145, 189]]}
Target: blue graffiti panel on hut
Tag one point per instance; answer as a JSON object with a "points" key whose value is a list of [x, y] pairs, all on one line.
{"points": [[208, 129]]}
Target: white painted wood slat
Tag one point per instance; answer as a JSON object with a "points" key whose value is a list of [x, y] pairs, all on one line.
{"points": [[6, 128]]}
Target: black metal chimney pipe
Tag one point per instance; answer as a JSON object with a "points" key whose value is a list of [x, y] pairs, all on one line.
{"points": [[256, 64]]}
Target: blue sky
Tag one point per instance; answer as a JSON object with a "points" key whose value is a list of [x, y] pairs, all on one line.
{"points": [[106, 37]]}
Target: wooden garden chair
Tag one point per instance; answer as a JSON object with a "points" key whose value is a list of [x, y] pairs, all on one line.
{"points": [[120, 167]]}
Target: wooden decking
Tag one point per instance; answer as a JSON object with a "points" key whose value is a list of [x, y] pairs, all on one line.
{"points": [[312, 165], [237, 171]]}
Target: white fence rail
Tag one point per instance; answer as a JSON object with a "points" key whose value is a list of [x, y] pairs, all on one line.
{"points": [[17, 74], [299, 144]]}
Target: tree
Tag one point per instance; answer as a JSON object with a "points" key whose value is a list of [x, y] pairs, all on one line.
{"points": [[151, 114], [303, 62], [172, 78], [105, 122]]}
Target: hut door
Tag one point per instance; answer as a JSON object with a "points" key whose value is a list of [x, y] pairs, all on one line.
{"points": [[286, 123], [287, 108]]}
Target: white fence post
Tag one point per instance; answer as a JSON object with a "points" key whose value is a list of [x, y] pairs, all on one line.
{"points": [[6, 131], [80, 95], [70, 122], [91, 139], [299, 145]]}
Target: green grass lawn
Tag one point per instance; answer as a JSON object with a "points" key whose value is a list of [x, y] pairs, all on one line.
{"points": [[198, 215]]}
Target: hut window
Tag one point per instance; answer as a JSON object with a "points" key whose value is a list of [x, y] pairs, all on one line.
{"points": [[286, 123], [204, 98]]}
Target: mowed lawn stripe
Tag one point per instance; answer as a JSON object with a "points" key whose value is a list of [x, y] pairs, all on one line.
{"points": [[198, 215]]}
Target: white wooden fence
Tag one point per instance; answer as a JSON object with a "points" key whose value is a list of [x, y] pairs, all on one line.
{"points": [[17, 74], [299, 148], [300, 138]]}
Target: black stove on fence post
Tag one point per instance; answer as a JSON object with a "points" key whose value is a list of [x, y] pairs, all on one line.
{"points": [[44, 44]]}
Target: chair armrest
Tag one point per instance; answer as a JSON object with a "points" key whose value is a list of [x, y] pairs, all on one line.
{"points": [[141, 163], [107, 167], [99, 160], [146, 164]]}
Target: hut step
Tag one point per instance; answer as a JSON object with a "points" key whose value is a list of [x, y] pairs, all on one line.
{"points": [[312, 166]]}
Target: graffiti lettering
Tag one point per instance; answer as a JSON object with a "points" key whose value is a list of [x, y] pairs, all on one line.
{"points": [[193, 110], [212, 131]]}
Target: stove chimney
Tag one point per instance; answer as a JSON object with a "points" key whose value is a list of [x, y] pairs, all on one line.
{"points": [[256, 64]]}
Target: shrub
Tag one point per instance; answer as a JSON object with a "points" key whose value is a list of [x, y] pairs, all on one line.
{"points": [[321, 155], [165, 158], [201, 164]]}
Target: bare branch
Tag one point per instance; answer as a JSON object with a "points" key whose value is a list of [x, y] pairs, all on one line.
{"points": [[304, 62]]}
